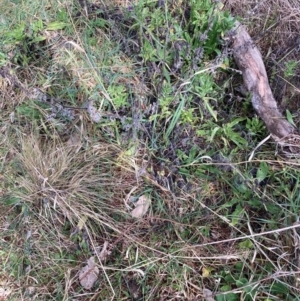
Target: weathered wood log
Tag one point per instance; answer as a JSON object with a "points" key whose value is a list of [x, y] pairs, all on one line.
{"points": [[249, 61]]}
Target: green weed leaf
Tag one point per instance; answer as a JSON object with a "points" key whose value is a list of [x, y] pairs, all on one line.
{"points": [[289, 117], [246, 244], [210, 109], [279, 288], [236, 215], [38, 39], [174, 119], [10, 200], [57, 25], [262, 171], [228, 296]]}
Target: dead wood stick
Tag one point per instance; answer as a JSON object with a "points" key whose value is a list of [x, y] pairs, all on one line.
{"points": [[249, 61]]}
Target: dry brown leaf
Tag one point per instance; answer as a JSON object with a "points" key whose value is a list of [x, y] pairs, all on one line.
{"points": [[74, 141], [104, 252], [82, 222], [93, 112], [5, 286], [75, 45], [141, 207], [207, 295], [4, 293], [88, 274]]}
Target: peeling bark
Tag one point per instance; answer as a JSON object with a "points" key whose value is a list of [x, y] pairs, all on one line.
{"points": [[249, 61]]}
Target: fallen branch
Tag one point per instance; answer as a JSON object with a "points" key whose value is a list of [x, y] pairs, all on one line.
{"points": [[249, 61]]}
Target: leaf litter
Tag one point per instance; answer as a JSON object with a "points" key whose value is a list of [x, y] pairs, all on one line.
{"points": [[141, 206], [88, 275]]}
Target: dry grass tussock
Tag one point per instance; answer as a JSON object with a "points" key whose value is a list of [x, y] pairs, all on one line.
{"points": [[70, 179], [67, 199]]}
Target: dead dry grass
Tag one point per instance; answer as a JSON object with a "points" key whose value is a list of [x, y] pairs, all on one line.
{"points": [[275, 27], [285, 12], [273, 23]]}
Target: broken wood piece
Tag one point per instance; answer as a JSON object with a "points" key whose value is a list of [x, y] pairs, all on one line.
{"points": [[250, 63]]}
